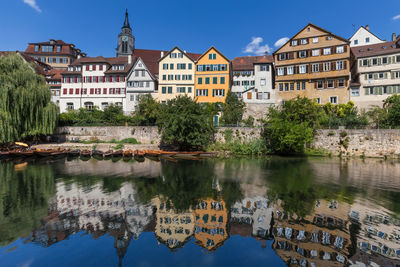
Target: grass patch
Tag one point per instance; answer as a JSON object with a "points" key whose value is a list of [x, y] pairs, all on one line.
{"points": [[254, 147]]}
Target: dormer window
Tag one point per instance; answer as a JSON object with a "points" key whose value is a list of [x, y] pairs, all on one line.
{"points": [[78, 68], [121, 67], [36, 48], [70, 68], [58, 48], [115, 67], [384, 47]]}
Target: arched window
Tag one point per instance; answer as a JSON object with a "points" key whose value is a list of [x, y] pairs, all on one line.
{"points": [[124, 47], [89, 105]]}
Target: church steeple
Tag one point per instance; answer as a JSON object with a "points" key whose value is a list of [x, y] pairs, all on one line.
{"points": [[126, 22], [126, 40]]}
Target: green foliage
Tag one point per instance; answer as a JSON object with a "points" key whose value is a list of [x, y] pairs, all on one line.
{"points": [[248, 148], [392, 104], [331, 133], [185, 124], [147, 111], [249, 122], [232, 109], [112, 115], [25, 107], [378, 117], [288, 129], [118, 146], [228, 135], [343, 115], [343, 134]]}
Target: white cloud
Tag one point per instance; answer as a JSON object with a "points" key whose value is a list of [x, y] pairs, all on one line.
{"points": [[32, 4], [281, 42], [256, 47], [396, 17]]}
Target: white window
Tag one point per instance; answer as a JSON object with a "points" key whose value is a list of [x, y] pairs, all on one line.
{"points": [[302, 54], [290, 70], [219, 92], [304, 41], [89, 105], [303, 69], [340, 49], [143, 73], [330, 84], [70, 106], [262, 82], [327, 66], [327, 51], [381, 75], [180, 89], [318, 100], [341, 83], [367, 40], [132, 97], [294, 42], [320, 84], [70, 68], [333, 99], [315, 40], [339, 65], [281, 71], [329, 38], [355, 91], [282, 56], [370, 76], [384, 60], [315, 67], [315, 52], [104, 105], [356, 42]]}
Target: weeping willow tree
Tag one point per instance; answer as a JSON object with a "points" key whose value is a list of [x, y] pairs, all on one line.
{"points": [[25, 107]]}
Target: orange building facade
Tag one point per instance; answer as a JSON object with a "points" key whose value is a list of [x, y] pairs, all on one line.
{"points": [[212, 77], [315, 64]]}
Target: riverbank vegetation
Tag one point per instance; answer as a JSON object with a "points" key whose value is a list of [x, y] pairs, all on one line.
{"points": [[25, 107]]}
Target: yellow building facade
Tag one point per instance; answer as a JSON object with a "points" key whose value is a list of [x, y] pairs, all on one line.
{"points": [[315, 64], [212, 75], [176, 75]]}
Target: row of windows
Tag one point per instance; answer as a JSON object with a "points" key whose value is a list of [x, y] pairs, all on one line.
{"points": [[367, 40], [214, 92], [179, 66], [381, 90], [379, 61], [139, 84], [245, 83], [212, 67], [214, 80], [63, 60], [382, 75], [94, 79], [314, 67], [185, 77], [181, 89], [176, 55], [321, 84], [48, 48], [90, 105], [249, 95], [93, 91], [243, 73], [141, 73], [313, 52]]}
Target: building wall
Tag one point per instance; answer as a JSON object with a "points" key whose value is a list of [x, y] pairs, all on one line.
{"points": [[361, 36], [311, 78], [173, 84], [204, 60], [373, 90], [133, 85]]}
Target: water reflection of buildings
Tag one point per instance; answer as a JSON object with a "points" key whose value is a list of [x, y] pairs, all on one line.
{"points": [[322, 238], [173, 228], [90, 209], [211, 218]]}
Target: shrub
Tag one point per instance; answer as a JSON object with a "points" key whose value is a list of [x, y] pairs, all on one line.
{"points": [[232, 109], [343, 134]]}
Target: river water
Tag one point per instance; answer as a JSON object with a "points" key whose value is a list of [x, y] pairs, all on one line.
{"points": [[217, 212]]}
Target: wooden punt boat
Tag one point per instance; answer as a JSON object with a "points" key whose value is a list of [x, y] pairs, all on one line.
{"points": [[152, 153], [59, 153], [108, 154], [74, 153], [27, 153], [118, 153], [153, 158], [207, 154], [98, 154], [168, 158], [4, 154], [86, 153], [139, 158], [44, 153], [127, 153]]}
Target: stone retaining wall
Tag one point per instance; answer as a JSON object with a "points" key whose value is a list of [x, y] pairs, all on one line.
{"points": [[368, 143]]}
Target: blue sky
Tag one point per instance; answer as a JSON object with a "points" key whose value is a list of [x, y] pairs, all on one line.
{"points": [[192, 25]]}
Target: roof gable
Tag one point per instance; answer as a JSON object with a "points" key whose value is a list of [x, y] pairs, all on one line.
{"points": [[136, 63], [210, 49], [311, 30], [363, 29], [191, 56]]}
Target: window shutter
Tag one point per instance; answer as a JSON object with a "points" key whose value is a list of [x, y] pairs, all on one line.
{"points": [[197, 92], [91, 91], [366, 77], [346, 82], [360, 63], [284, 71], [379, 61], [206, 92], [335, 84], [345, 48], [223, 92], [213, 92], [316, 85], [345, 65], [333, 65], [321, 67], [389, 60], [333, 49], [375, 76], [389, 89], [366, 91], [392, 75], [325, 84], [380, 90]]}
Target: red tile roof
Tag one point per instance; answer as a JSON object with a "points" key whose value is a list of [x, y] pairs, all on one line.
{"points": [[55, 74], [247, 63], [66, 48], [150, 59], [376, 49]]}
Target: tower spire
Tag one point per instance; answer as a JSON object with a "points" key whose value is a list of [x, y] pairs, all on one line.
{"points": [[126, 22]]}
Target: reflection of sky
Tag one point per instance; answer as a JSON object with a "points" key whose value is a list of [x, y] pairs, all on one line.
{"points": [[83, 249]]}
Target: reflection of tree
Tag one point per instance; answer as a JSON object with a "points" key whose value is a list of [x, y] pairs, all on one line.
{"points": [[184, 183], [293, 181], [24, 197]]}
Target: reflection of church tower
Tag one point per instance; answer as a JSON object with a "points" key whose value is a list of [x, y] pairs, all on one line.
{"points": [[126, 40], [121, 243]]}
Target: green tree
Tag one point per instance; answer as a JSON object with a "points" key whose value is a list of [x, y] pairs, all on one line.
{"points": [[147, 111], [25, 107], [113, 114], [185, 124], [289, 128], [378, 117], [232, 109], [392, 104]]}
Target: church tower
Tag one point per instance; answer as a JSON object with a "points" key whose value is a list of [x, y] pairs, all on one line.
{"points": [[126, 41]]}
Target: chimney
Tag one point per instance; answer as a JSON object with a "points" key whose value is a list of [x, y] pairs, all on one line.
{"points": [[162, 53], [79, 56], [394, 36], [129, 59], [184, 51], [367, 27]]}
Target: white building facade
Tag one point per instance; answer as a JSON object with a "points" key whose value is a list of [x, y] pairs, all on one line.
{"points": [[364, 37], [253, 79], [377, 68], [94, 82]]}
